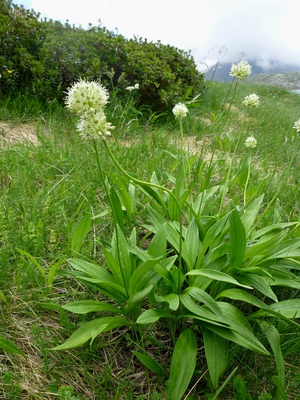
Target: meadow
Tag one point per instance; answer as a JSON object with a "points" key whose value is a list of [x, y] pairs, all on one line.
{"points": [[161, 262]]}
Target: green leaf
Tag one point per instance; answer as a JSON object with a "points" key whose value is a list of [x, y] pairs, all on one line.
{"points": [[150, 363], [216, 354], [259, 283], [151, 316], [241, 295], [144, 276], [86, 306], [218, 276], [192, 242], [120, 250], [80, 233], [250, 212], [116, 207], [289, 308], [53, 269], [90, 330], [172, 299], [273, 337], [182, 365], [202, 296], [33, 260], [237, 241], [10, 347]]}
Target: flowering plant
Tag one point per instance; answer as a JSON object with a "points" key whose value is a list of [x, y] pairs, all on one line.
{"points": [[297, 126], [251, 101], [251, 142], [87, 100], [241, 70], [180, 110]]}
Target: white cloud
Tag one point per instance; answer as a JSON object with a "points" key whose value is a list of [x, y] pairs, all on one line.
{"points": [[263, 29]]}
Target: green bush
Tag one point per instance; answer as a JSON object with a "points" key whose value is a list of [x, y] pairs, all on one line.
{"points": [[45, 57]]}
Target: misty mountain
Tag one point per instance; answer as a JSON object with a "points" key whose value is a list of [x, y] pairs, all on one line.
{"points": [[221, 73]]}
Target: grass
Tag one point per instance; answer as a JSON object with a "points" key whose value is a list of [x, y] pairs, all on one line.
{"points": [[47, 190]]}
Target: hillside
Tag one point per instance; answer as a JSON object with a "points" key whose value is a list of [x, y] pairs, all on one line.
{"points": [[288, 80], [286, 76]]}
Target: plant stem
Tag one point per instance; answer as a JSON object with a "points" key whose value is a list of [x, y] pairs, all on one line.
{"points": [[151, 184]]}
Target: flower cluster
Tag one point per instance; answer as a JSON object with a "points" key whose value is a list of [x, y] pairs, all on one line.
{"points": [[251, 142], [251, 101], [241, 70], [180, 110], [87, 100], [131, 88], [297, 126]]}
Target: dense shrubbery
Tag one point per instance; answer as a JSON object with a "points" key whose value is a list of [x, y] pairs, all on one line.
{"points": [[44, 57]]}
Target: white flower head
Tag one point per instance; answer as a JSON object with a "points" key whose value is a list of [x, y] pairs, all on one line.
{"points": [[93, 125], [251, 142], [131, 88], [297, 126], [180, 110], [83, 96], [251, 101], [241, 70]]}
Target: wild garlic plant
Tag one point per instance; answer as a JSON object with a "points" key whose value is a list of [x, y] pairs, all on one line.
{"points": [[210, 280]]}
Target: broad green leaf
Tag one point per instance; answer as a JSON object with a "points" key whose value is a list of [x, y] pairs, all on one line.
{"points": [[172, 299], [182, 365], [137, 298], [89, 330], [53, 269], [241, 295], [116, 208], [259, 283], [287, 249], [150, 363], [250, 212], [82, 334], [192, 242], [237, 241], [151, 316], [289, 308], [216, 354], [10, 347], [201, 312], [120, 251], [144, 276], [80, 233], [269, 228], [218, 276], [113, 323], [158, 245], [86, 306], [264, 246], [273, 337], [202, 296]]}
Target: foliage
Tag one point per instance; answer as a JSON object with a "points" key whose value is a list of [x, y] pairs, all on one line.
{"points": [[47, 56]]}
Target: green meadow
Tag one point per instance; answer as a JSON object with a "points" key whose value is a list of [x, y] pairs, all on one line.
{"points": [[160, 263]]}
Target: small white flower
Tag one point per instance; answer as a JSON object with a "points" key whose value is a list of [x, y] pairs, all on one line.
{"points": [[251, 142], [180, 110], [83, 96], [241, 70], [297, 126], [131, 88], [251, 101], [93, 125]]}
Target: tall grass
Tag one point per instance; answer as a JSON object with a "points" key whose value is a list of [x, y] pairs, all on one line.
{"points": [[48, 190]]}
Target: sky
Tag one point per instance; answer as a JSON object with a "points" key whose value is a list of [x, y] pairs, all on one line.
{"points": [[265, 30]]}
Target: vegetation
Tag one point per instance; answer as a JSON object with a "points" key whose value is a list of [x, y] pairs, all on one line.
{"points": [[55, 207], [44, 57], [161, 261]]}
